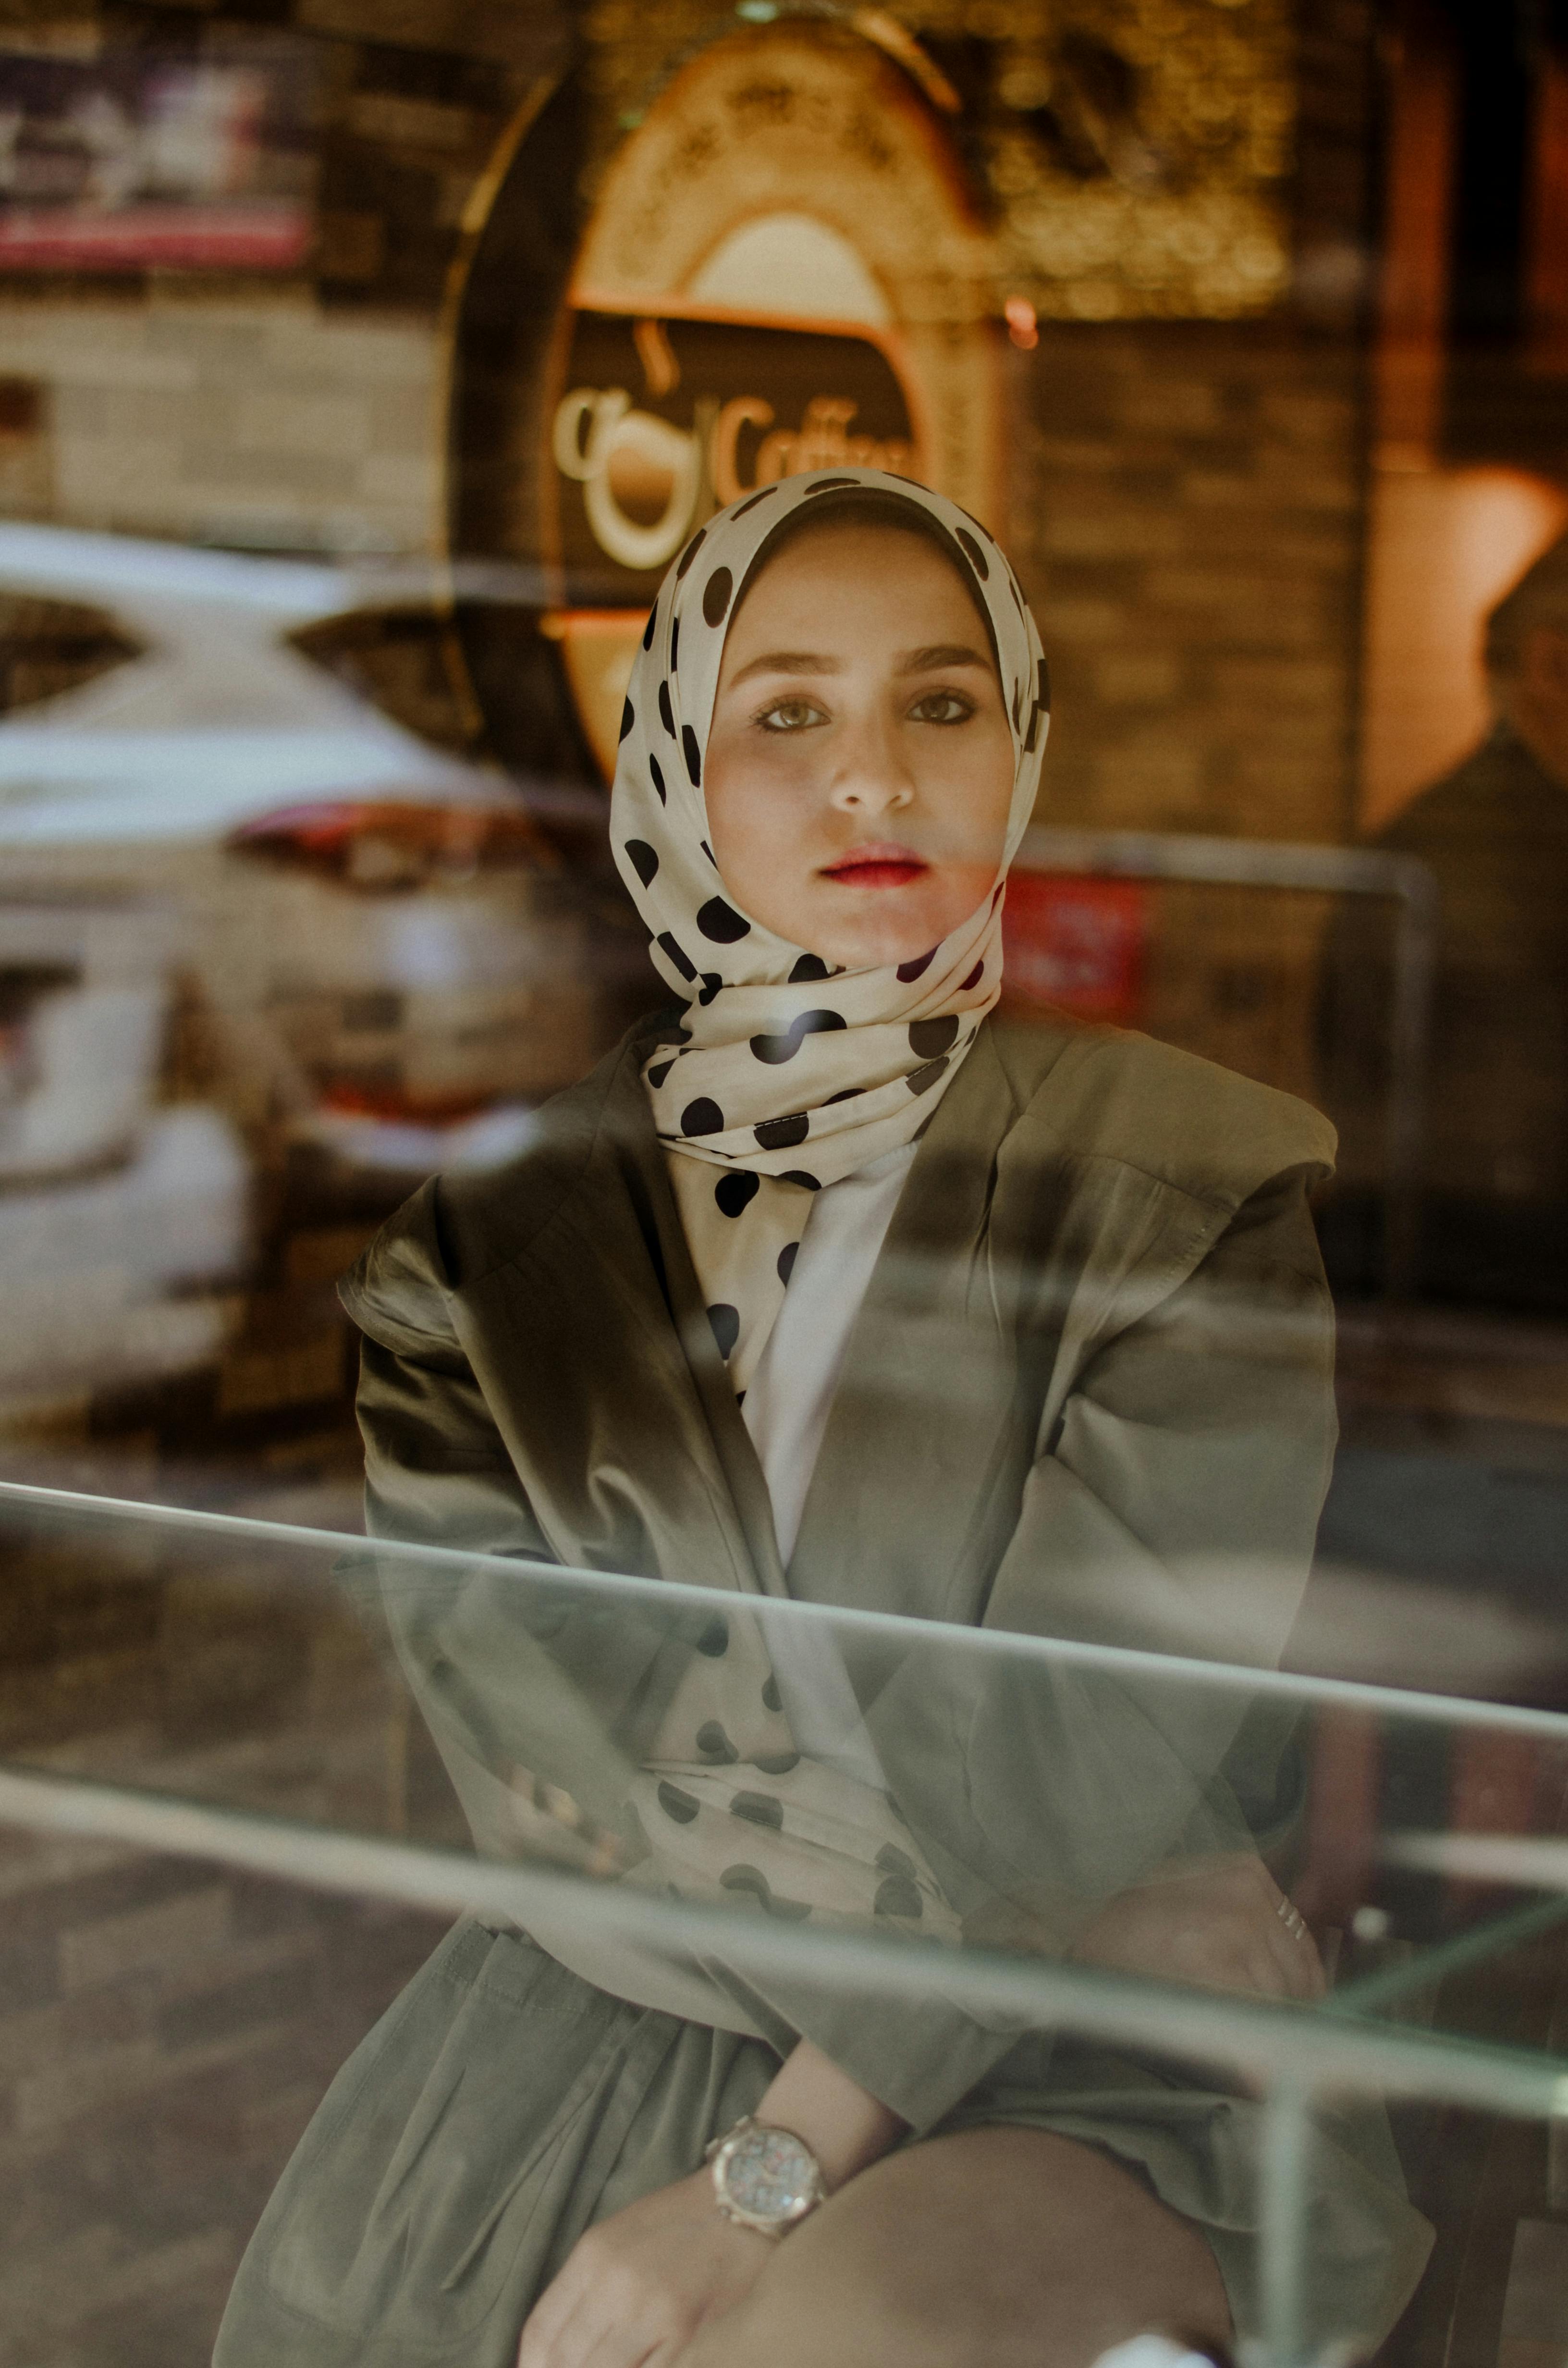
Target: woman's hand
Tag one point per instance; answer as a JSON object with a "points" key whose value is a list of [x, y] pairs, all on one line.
{"points": [[1215, 1923], [636, 2289]]}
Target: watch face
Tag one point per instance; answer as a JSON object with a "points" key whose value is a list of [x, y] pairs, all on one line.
{"points": [[770, 2175]]}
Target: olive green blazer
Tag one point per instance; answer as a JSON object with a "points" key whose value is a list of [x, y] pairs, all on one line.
{"points": [[1088, 1395]]}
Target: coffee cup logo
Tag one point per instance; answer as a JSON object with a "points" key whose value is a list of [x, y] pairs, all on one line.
{"points": [[634, 478], [641, 477]]}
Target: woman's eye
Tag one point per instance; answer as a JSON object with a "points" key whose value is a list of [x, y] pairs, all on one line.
{"points": [[942, 707], [790, 715]]}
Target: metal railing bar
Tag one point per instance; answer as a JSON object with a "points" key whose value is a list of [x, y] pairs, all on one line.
{"points": [[1373, 1992], [1264, 2042], [1527, 1861], [1284, 2166], [1116, 1660]]}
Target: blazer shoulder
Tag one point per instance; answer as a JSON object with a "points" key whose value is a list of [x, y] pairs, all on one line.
{"points": [[1205, 1131], [458, 1228]]}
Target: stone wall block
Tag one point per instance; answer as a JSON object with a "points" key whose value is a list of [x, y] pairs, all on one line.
{"points": [[167, 1931]]}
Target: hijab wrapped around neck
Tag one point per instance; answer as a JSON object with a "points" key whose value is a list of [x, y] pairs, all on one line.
{"points": [[789, 1074]]}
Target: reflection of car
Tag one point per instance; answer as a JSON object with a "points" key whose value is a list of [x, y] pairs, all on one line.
{"points": [[406, 951], [373, 936]]}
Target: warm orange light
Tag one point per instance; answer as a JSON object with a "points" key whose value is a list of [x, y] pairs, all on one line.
{"points": [[1022, 326], [1446, 545]]}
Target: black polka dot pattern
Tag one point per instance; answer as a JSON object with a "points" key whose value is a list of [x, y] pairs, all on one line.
{"points": [[715, 1745], [676, 954], [677, 1804], [891, 1860], [721, 924], [716, 596], [759, 1809], [736, 1192], [714, 1641], [768, 1068], [898, 1896], [776, 1050], [752, 1879], [971, 551], [783, 1133], [771, 1697], [929, 1037]]}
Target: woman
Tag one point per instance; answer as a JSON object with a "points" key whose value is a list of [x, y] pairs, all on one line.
{"points": [[824, 1285]]}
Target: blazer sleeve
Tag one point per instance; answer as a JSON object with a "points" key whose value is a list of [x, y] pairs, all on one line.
{"points": [[528, 1688], [437, 1471], [1174, 1505], [1171, 1508]]}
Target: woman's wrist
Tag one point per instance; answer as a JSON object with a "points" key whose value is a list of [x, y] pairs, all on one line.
{"points": [[846, 2127]]}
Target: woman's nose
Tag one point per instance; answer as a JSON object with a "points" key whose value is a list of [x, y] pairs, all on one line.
{"points": [[868, 780]]}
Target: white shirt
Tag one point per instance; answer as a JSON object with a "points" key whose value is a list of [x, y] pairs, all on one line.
{"points": [[786, 1409]]}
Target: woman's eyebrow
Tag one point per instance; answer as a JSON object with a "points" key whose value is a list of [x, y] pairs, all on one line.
{"points": [[921, 661], [789, 662], [942, 653]]}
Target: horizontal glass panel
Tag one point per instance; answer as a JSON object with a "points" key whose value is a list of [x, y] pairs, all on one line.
{"points": [[1306, 1902], [799, 1766]]}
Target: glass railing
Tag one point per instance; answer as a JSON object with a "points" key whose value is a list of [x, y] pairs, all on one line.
{"points": [[1323, 1902]]}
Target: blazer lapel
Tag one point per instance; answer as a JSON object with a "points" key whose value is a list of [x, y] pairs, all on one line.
{"points": [[595, 1354], [927, 1400]]}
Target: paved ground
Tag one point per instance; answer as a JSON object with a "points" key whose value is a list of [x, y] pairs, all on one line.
{"points": [[167, 2029]]}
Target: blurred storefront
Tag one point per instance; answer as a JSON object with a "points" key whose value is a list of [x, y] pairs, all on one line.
{"points": [[1241, 329]]}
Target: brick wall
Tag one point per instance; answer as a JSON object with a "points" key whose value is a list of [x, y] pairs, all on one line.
{"points": [[166, 2029], [258, 418], [1190, 529], [281, 412]]}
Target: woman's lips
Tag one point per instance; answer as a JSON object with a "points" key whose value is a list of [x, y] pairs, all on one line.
{"points": [[880, 865]]}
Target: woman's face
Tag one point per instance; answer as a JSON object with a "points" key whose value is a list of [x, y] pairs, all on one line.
{"points": [[860, 768]]}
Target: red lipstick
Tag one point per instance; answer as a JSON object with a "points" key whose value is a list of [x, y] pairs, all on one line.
{"points": [[880, 863]]}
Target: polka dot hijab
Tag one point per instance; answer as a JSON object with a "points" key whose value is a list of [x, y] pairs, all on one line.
{"points": [[789, 1074]]}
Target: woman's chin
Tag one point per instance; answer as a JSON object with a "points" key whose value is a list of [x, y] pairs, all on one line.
{"points": [[889, 925]]}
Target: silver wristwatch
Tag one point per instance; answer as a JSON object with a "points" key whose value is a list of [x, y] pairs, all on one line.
{"points": [[764, 2178]]}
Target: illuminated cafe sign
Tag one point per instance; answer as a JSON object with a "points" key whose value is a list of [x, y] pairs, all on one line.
{"points": [[664, 419], [759, 284]]}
